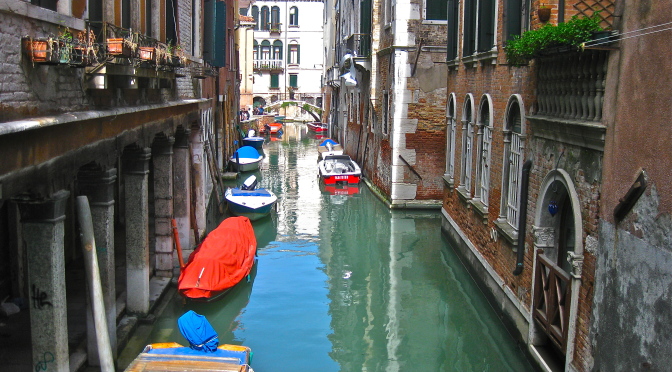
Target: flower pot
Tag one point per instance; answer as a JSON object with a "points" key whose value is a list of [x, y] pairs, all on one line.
{"points": [[117, 47], [544, 14], [64, 52], [146, 53], [41, 50]]}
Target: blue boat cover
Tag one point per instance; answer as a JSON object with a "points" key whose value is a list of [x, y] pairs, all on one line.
{"points": [[198, 331], [247, 152], [328, 140], [257, 192]]}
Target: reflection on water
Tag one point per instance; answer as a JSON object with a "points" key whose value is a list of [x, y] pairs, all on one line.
{"points": [[345, 284]]}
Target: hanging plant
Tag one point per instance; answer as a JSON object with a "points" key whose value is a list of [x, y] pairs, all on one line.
{"points": [[577, 31]]}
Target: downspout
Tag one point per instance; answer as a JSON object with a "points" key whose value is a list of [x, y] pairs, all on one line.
{"points": [[524, 188]]}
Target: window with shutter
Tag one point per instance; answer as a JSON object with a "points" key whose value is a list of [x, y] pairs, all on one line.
{"points": [[275, 18], [469, 41], [453, 23], [436, 10], [275, 81], [486, 25], [293, 80], [293, 16], [255, 14], [265, 19]]}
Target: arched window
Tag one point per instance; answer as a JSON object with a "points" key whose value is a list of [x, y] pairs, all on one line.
{"points": [[467, 145], [255, 51], [293, 16], [293, 56], [484, 147], [275, 18], [264, 23], [277, 50], [255, 14], [513, 161], [265, 50], [451, 123]]}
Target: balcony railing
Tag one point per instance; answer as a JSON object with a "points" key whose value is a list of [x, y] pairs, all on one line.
{"points": [[269, 64], [552, 293], [571, 85], [360, 44]]}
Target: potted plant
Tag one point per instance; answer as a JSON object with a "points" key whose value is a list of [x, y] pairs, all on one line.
{"points": [[568, 35], [65, 43], [543, 13], [121, 46], [41, 50]]}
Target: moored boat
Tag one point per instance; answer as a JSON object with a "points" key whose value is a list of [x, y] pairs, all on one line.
{"points": [[316, 126], [329, 147], [250, 201], [339, 169], [203, 354], [272, 128], [246, 159], [221, 261], [254, 141]]}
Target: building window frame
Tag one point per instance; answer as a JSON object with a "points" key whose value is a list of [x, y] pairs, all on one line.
{"points": [[514, 152], [466, 160], [484, 150], [294, 17], [451, 131], [265, 19], [435, 12], [479, 27]]}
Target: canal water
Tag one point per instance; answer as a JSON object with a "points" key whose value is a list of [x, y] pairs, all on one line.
{"points": [[342, 283]]}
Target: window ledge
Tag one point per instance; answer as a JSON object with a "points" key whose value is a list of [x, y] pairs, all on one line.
{"points": [[453, 64], [484, 57], [449, 181], [480, 209], [464, 195], [508, 232], [434, 22]]}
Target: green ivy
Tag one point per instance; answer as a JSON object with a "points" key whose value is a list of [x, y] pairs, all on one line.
{"points": [[521, 49]]}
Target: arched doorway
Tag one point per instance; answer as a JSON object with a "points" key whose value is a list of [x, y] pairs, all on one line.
{"points": [[258, 102], [558, 259]]}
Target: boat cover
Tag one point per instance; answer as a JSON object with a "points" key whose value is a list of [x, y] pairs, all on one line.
{"points": [[222, 260], [197, 330], [328, 140], [257, 192], [247, 152]]}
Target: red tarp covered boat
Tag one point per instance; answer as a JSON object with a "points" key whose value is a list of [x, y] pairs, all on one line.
{"points": [[222, 260]]}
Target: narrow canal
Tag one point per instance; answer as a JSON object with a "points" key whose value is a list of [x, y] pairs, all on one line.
{"points": [[344, 284]]}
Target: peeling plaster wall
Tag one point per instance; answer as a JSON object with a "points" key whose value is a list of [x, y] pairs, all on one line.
{"points": [[633, 298]]}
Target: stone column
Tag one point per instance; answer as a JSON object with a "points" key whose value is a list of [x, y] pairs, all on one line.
{"points": [[42, 223], [98, 186], [136, 171], [198, 166], [182, 192], [162, 152]]}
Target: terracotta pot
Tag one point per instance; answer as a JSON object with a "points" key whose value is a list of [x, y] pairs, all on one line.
{"points": [[117, 47], [41, 50], [544, 14], [146, 53]]}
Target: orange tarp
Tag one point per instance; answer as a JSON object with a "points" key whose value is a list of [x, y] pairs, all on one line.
{"points": [[222, 260]]}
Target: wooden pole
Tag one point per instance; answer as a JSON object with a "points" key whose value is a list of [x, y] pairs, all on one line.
{"points": [[96, 291], [178, 246]]}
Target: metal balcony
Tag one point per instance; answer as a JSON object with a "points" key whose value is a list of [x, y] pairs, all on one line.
{"points": [[269, 65]]}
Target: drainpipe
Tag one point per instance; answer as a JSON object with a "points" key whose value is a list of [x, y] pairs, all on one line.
{"points": [[524, 187]]}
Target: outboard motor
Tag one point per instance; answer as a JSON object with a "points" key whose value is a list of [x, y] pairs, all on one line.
{"points": [[250, 183], [330, 146], [250, 133]]}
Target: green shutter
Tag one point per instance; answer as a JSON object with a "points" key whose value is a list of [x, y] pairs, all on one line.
{"points": [[469, 41], [513, 18], [298, 54], [275, 81], [486, 25], [436, 10], [293, 80], [453, 20]]}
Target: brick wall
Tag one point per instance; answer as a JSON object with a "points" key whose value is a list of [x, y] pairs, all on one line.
{"points": [[34, 90]]}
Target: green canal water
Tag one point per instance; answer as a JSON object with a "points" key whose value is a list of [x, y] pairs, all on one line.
{"points": [[344, 284]]}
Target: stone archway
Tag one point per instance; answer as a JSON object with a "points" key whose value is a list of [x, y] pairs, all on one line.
{"points": [[558, 262]]}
